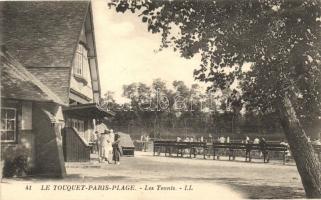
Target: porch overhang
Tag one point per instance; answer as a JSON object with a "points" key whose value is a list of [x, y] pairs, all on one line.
{"points": [[89, 111]]}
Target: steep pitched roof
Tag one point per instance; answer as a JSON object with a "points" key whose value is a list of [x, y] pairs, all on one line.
{"points": [[43, 33], [18, 83], [57, 79], [43, 36]]}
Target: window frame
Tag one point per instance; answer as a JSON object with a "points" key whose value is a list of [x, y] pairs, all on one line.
{"points": [[77, 124], [15, 130], [78, 66], [80, 58]]}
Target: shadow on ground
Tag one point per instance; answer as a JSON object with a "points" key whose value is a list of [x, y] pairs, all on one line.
{"points": [[252, 190]]}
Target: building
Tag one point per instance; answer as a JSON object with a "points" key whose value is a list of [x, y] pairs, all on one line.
{"points": [[127, 145], [31, 119], [54, 42]]}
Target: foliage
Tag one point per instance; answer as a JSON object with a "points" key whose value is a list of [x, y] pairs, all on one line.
{"points": [[194, 113], [277, 39], [16, 167], [270, 48]]}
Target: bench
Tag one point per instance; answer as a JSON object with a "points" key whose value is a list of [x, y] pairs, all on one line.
{"points": [[169, 147], [232, 147]]}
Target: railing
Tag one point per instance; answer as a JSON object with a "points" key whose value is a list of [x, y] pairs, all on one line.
{"points": [[214, 149], [265, 149], [168, 147], [75, 148]]}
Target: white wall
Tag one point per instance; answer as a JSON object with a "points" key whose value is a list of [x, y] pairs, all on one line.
{"points": [[85, 89], [26, 118], [80, 87]]}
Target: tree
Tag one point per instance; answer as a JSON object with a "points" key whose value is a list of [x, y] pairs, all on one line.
{"points": [[162, 105], [149, 104], [108, 101], [140, 102], [279, 40]]}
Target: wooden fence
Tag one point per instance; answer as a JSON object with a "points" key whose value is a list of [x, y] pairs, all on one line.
{"points": [[74, 147]]}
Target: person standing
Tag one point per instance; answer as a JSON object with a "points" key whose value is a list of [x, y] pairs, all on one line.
{"points": [[116, 149], [264, 151], [210, 138], [100, 129], [111, 139], [104, 146], [287, 152], [247, 140]]}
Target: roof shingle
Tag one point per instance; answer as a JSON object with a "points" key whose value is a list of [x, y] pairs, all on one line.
{"points": [[18, 83], [43, 34]]}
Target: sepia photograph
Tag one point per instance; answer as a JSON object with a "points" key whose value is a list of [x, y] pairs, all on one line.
{"points": [[160, 99]]}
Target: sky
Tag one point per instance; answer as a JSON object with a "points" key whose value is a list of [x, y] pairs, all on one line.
{"points": [[126, 52]]}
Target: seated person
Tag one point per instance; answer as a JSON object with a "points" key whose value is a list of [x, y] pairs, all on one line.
{"points": [[256, 141]]}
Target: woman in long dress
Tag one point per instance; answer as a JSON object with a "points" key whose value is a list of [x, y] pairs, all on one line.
{"points": [[111, 139], [116, 149], [100, 130], [104, 146]]}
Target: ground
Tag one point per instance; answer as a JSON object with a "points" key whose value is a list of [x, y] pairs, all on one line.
{"points": [[209, 178]]}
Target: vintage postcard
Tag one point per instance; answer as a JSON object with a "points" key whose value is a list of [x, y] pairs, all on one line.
{"points": [[160, 99]]}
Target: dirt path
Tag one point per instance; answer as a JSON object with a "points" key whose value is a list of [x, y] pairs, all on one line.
{"points": [[166, 178], [251, 180]]}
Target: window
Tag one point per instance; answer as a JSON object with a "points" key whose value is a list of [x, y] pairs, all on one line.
{"points": [[8, 124], [79, 125], [81, 64]]}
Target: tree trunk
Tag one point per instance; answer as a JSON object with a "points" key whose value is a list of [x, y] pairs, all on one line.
{"points": [[307, 162]]}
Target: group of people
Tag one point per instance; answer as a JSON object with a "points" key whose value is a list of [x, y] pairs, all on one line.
{"points": [[186, 139], [144, 139], [108, 144], [246, 140], [190, 139]]}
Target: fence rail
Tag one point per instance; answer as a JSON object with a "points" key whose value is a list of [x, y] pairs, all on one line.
{"points": [[168, 147]]}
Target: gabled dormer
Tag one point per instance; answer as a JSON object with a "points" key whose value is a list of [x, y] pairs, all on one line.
{"points": [[84, 80]]}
